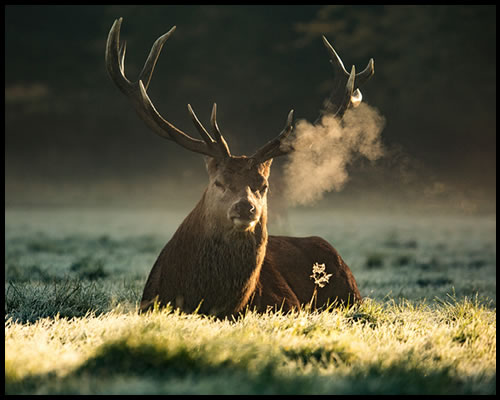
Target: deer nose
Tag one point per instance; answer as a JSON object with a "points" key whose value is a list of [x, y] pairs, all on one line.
{"points": [[243, 209]]}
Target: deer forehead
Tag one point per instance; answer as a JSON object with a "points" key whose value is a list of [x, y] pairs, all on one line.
{"points": [[237, 168], [240, 172]]}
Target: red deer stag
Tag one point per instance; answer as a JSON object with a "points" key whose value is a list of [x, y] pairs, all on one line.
{"points": [[221, 259]]}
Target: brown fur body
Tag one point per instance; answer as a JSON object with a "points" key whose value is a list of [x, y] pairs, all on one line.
{"points": [[285, 276]]}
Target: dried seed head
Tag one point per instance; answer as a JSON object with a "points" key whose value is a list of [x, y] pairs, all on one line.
{"points": [[319, 275]]}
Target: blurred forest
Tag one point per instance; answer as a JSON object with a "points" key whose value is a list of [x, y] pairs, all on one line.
{"points": [[73, 139]]}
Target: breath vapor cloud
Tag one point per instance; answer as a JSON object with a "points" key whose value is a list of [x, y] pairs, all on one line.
{"points": [[324, 150]]}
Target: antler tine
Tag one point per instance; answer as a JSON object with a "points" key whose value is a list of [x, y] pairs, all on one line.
{"points": [[136, 92], [199, 126], [215, 129], [115, 55], [219, 144], [149, 65], [121, 52], [276, 147], [347, 97], [335, 60], [366, 74]]}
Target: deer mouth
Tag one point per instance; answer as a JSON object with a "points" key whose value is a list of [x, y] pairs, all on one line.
{"points": [[243, 224]]}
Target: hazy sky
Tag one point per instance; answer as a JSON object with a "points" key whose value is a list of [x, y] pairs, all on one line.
{"points": [[72, 138]]}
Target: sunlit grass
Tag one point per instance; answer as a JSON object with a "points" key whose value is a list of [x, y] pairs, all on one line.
{"points": [[442, 347]]}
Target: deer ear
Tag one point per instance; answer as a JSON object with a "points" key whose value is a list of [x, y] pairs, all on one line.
{"points": [[211, 164]]}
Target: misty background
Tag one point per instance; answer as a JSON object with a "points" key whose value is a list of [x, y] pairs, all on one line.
{"points": [[72, 138]]}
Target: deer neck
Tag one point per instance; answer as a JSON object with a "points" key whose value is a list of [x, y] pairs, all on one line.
{"points": [[227, 262], [245, 247]]}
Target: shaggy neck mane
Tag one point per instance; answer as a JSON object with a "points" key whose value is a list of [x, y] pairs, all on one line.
{"points": [[223, 266]]}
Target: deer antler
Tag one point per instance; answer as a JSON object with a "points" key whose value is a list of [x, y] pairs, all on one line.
{"points": [[341, 98], [136, 92], [276, 147]]}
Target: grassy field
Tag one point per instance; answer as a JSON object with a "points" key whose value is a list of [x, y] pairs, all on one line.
{"points": [[73, 279]]}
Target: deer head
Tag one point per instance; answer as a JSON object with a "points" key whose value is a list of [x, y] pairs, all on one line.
{"points": [[237, 191], [236, 196]]}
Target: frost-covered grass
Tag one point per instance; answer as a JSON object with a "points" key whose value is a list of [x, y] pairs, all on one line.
{"points": [[74, 278], [446, 348]]}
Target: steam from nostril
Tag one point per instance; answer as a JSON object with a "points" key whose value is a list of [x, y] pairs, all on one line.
{"points": [[322, 152]]}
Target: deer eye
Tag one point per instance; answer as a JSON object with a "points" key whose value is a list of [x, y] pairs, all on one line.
{"points": [[219, 185]]}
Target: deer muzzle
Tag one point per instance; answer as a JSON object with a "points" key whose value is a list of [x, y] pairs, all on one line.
{"points": [[243, 215]]}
